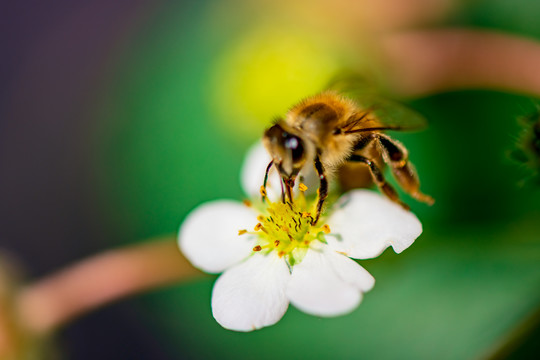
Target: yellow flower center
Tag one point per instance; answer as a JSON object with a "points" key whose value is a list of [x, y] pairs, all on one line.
{"points": [[287, 228]]}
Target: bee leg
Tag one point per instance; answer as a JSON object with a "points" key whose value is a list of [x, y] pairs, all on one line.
{"points": [[404, 172], [364, 142], [323, 188], [263, 194], [282, 191], [379, 179]]}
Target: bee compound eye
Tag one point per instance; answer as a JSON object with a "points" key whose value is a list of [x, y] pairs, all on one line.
{"points": [[294, 144]]}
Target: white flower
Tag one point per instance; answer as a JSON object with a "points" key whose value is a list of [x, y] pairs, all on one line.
{"points": [[286, 259]]}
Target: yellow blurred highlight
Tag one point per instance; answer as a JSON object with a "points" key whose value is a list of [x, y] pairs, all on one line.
{"points": [[264, 73]]}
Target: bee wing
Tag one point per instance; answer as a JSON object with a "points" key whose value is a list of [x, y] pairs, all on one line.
{"points": [[380, 113], [385, 114]]}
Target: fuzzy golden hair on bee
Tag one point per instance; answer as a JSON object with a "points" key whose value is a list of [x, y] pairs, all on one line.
{"points": [[333, 132]]}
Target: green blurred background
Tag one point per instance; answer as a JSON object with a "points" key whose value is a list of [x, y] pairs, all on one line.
{"points": [[191, 87]]}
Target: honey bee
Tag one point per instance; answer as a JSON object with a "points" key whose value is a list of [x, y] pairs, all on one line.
{"points": [[337, 134]]}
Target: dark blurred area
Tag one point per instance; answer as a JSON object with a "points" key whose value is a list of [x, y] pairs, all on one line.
{"points": [[55, 56]]}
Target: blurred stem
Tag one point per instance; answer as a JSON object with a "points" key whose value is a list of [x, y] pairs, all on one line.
{"points": [[103, 278], [515, 338], [424, 62]]}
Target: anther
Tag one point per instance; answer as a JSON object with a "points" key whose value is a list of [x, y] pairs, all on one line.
{"points": [[259, 226], [257, 248], [260, 218], [242, 232], [276, 243], [263, 191], [302, 187], [247, 202], [325, 228]]}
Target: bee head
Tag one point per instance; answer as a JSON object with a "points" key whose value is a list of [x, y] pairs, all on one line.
{"points": [[286, 149]]}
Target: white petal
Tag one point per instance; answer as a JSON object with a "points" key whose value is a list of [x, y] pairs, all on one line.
{"points": [[251, 295], [254, 168], [209, 237], [326, 283], [366, 223], [350, 271]]}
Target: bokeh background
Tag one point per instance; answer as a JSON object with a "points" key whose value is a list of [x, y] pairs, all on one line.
{"points": [[119, 117]]}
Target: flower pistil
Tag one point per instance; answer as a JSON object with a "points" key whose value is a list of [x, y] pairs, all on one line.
{"points": [[287, 229]]}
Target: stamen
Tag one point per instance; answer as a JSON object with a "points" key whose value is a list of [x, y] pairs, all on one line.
{"points": [[287, 228], [263, 191], [247, 203], [302, 187], [259, 226], [242, 232]]}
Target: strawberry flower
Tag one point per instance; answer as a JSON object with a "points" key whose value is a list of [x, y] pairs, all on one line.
{"points": [[271, 254]]}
